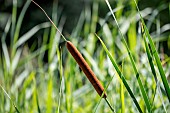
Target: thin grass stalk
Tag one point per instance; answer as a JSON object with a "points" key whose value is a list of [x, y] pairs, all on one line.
{"points": [[49, 95], [150, 59], [143, 92], [14, 15], [4, 46], [87, 19], [10, 99], [161, 97], [36, 94], [77, 30], [132, 30], [49, 19], [61, 80], [108, 103], [105, 100], [68, 84], [156, 56], [151, 64], [37, 102], [52, 44], [5, 57], [94, 16], [18, 26], [149, 55], [122, 93], [44, 42]]}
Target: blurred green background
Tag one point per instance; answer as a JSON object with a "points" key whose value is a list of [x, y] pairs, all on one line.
{"points": [[39, 74]]}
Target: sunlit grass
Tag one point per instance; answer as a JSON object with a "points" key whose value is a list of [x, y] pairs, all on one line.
{"points": [[124, 58]]}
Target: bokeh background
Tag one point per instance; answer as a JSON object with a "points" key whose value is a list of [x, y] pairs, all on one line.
{"points": [[39, 74]]}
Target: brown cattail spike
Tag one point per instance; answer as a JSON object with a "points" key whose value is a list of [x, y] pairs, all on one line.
{"points": [[86, 68]]}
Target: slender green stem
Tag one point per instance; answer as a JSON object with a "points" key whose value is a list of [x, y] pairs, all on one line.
{"points": [[156, 56], [10, 99], [121, 75], [61, 81], [50, 20], [14, 13], [103, 94], [109, 105], [142, 89]]}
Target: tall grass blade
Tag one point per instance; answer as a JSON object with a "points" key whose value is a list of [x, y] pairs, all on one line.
{"points": [[120, 75], [44, 42], [6, 55], [156, 56], [49, 95], [149, 56], [36, 96], [154, 74], [31, 32], [53, 45], [143, 92], [77, 30], [10, 99], [7, 27], [132, 36], [117, 9], [150, 59], [53, 34], [94, 16], [37, 102], [122, 93], [18, 26], [15, 61], [28, 81], [61, 80], [4, 46], [132, 29], [19, 22], [14, 16], [87, 19]]}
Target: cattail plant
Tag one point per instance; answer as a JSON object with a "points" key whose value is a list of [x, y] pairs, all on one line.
{"points": [[82, 63], [86, 68]]}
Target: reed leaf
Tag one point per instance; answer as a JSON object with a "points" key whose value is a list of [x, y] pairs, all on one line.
{"points": [[120, 75], [156, 56], [143, 92]]}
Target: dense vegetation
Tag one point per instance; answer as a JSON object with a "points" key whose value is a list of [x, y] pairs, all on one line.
{"points": [[127, 49]]}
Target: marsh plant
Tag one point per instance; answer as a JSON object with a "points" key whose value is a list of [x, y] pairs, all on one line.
{"points": [[119, 55]]}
